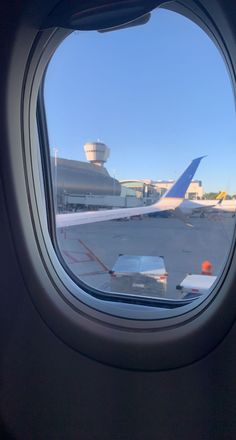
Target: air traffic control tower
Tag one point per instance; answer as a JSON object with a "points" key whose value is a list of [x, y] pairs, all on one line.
{"points": [[96, 153]]}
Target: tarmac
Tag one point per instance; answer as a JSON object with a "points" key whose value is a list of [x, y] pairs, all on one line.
{"points": [[90, 251]]}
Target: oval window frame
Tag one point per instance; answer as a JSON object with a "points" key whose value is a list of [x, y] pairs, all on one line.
{"points": [[126, 336]]}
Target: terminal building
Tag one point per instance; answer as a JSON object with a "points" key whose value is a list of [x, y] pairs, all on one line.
{"points": [[152, 190], [88, 185], [141, 189], [79, 183], [194, 192]]}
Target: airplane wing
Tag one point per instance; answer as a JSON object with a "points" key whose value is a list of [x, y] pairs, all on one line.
{"points": [[226, 206], [218, 201], [170, 201], [202, 206], [205, 208]]}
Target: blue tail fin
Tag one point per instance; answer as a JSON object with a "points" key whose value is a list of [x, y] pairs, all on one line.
{"points": [[181, 185]]}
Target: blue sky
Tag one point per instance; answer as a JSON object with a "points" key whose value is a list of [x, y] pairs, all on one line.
{"points": [[158, 95]]}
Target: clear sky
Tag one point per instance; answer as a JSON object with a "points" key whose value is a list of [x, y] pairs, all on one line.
{"points": [[158, 95]]}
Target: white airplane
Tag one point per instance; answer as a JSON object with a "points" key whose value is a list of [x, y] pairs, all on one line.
{"points": [[202, 207], [226, 206], [169, 202]]}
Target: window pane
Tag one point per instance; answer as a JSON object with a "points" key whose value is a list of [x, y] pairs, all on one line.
{"points": [[127, 112]]}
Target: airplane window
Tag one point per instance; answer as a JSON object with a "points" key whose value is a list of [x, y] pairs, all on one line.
{"points": [[141, 129]]}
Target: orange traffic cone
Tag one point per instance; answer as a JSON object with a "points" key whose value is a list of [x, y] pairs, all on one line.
{"points": [[206, 268]]}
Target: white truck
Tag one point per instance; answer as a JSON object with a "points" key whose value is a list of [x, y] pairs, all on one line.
{"points": [[193, 286]]}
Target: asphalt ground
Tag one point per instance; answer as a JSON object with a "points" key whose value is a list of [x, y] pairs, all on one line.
{"points": [[90, 251]]}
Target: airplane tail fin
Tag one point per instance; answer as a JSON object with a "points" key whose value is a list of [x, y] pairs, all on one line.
{"points": [[221, 196], [181, 185]]}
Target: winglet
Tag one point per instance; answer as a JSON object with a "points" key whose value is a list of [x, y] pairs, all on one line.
{"points": [[181, 185]]}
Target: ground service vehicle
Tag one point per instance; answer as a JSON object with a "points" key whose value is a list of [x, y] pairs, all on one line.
{"points": [[138, 273], [194, 285], [76, 364]]}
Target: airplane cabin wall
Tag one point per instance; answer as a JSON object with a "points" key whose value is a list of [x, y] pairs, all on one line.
{"points": [[50, 391]]}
